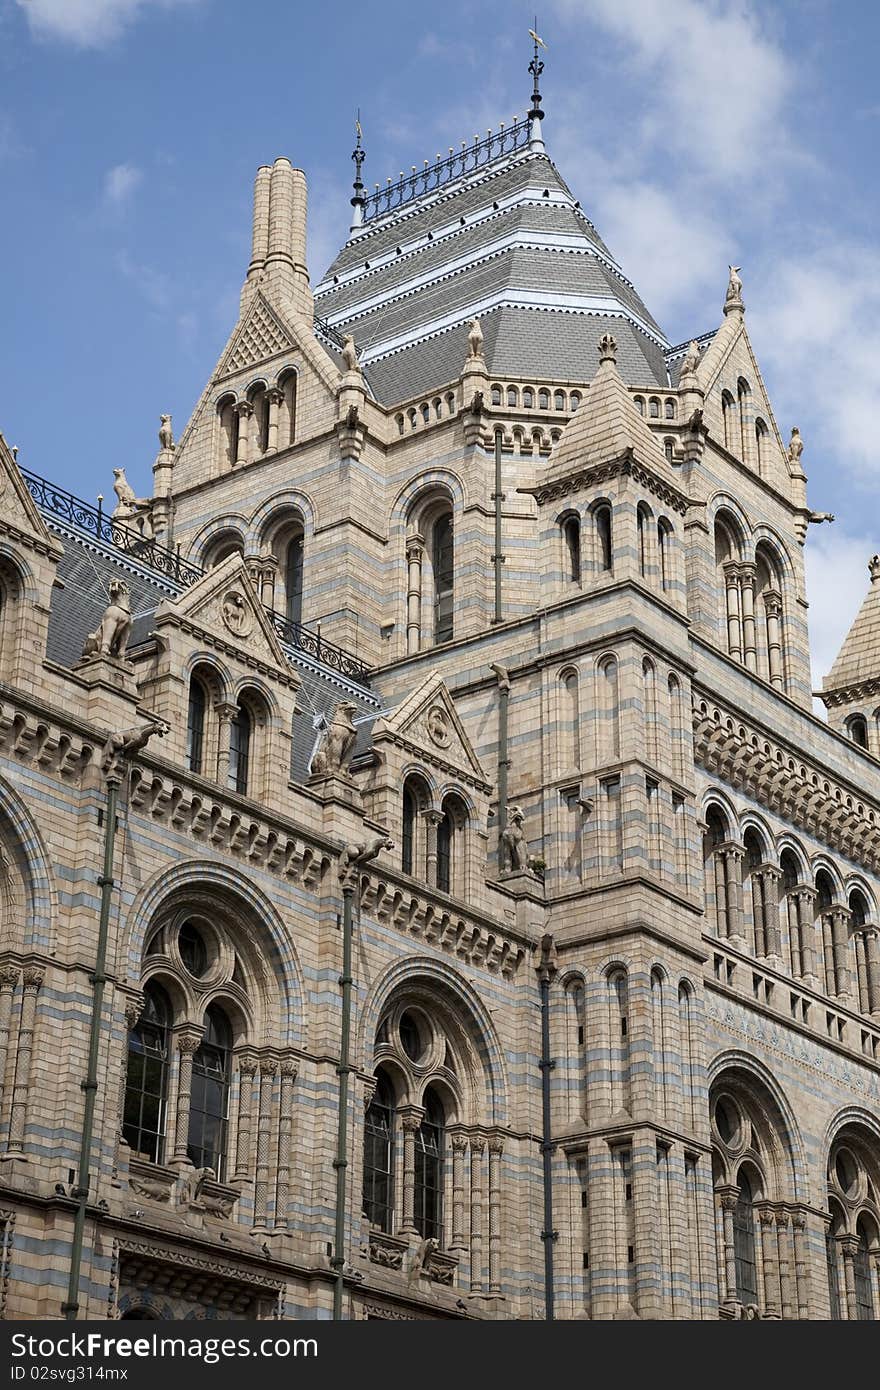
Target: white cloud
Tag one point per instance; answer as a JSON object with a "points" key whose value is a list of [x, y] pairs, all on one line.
{"points": [[86, 23], [120, 183], [154, 285], [837, 581]]}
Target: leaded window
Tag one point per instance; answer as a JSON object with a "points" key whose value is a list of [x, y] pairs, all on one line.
{"points": [[195, 726], [209, 1099], [442, 560], [744, 1244], [146, 1081], [240, 750], [428, 1192], [378, 1188]]}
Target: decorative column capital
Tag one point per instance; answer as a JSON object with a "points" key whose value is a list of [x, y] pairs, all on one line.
{"points": [[771, 872], [805, 891], [731, 573], [32, 978], [432, 816], [274, 395], [799, 1220], [458, 1140], [9, 976], [225, 710], [415, 547], [766, 1215], [370, 1086], [188, 1041], [773, 603], [289, 1068], [268, 1066], [134, 1007], [411, 1117], [748, 571], [496, 1144], [731, 850], [247, 1063], [478, 1143], [244, 409], [782, 1218], [728, 1197]]}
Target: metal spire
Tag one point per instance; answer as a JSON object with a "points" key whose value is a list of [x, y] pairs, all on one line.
{"points": [[358, 202], [536, 115]]}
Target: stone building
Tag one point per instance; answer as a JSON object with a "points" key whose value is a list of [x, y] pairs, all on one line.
{"points": [[469, 611]]}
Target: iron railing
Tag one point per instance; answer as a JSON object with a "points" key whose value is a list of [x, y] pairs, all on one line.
{"points": [[455, 165], [94, 521]]}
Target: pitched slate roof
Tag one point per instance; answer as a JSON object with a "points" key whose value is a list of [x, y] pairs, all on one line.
{"points": [[509, 244], [859, 658]]}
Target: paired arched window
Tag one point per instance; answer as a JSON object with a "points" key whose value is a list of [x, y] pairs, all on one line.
{"points": [[603, 538], [430, 589], [853, 1233], [571, 536], [378, 1181], [240, 739], [744, 1241], [146, 1081], [228, 423], [428, 1187], [195, 725], [442, 562], [857, 729]]}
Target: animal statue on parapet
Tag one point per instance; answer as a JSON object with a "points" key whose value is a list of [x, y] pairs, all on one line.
{"points": [[125, 743], [514, 845], [475, 339], [334, 755], [110, 637]]}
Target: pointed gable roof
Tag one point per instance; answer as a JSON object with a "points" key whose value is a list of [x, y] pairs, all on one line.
{"points": [[426, 722], [858, 660], [605, 426], [19, 515], [224, 607]]}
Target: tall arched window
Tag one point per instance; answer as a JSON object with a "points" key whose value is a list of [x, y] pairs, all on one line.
{"points": [[604, 553], [445, 834], [293, 578], [643, 520], [762, 442], [259, 399], [665, 536], [442, 562], [728, 412], [146, 1079], [769, 616], [287, 411], [452, 846], [195, 725], [569, 733], [228, 420], [410, 814], [744, 403], [428, 1188], [240, 737], [866, 1246], [744, 1242], [378, 1181], [209, 1100], [571, 535], [607, 712], [853, 1241], [857, 729]]}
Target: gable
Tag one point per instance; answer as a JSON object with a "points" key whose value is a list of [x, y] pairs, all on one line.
{"points": [[262, 334], [224, 609], [19, 515], [427, 723]]}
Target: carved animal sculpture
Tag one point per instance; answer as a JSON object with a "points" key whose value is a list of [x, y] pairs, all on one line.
{"points": [[124, 490], [690, 360], [111, 635], [475, 339], [514, 846], [349, 354], [734, 285], [335, 752], [166, 436]]}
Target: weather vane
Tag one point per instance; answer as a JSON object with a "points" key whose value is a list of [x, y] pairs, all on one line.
{"points": [[536, 67]]}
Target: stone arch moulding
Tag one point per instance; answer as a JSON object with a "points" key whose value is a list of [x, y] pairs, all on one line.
{"points": [[458, 991], [206, 877], [732, 1060], [39, 911]]}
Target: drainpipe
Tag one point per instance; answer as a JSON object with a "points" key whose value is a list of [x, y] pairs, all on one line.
{"points": [[546, 970], [503, 752], [117, 749], [498, 498], [353, 856]]}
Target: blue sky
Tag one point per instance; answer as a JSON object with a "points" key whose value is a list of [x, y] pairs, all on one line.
{"points": [[695, 132]]}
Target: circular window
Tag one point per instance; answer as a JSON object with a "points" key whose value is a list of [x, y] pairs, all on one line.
{"points": [[726, 1120], [410, 1036], [846, 1171], [192, 948]]}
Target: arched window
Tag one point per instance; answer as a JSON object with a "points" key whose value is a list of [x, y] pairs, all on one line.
{"points": [[443, 574], [228, 419], [426, 413], [496, 395], [559, 400], [604, 552], [640, 404], [259, 399], [571, 534], [512, 396], [528, 398], [146, 1078], [744, 403], [669, 408], [857, 729], [607, 711], [866, 1245], [428, 1188], [410, 814], [209, 1098], [399, 419], [762, 443], [543, 399], [451, 846], [293, 578], [240, 735], [853, 1236], [569, 733], [195, 725], [222, 547], [769, 616], [654, 408], [716, 867], [287, 411], [445, 833], [574, 401], [664, 550], [744, 1242], [643, 522], [669, 450], [728, 413], [378, 1180]]}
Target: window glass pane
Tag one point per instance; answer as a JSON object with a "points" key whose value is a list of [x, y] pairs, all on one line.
{"points": [[143, 1111], [209, 1096]]}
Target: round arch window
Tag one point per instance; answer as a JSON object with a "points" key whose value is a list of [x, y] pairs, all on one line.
{"points": [[727, 1121], [411, 1039], [193, 951]]}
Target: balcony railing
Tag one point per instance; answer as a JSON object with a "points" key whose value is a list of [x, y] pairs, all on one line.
{"points": [[94, 521]]}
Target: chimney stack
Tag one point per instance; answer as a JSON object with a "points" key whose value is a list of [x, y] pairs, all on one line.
{"points": [[278, 256]]}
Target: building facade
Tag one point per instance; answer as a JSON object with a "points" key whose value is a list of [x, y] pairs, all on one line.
{"points": [[465, 623]]}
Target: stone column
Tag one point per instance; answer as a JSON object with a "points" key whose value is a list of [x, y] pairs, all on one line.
{"points": [[268, 1072], [805, 898], [733, 857], [8, 980], [225, 715], [245, 411], [728, 1197], [784, 1246], [496, 1148], [771, 877], [773, 607], [849, 1248], [478, 1144], [285, 1134], [415, 550], [432, 820], [410, 1119], [187, 1046], [747, 592], [268, 574], [872, 968], [769, 1252], [840, 919], [801, 1267], [32, 979], [720, 894], [247, 1070], [756, 881], [274, 397], [734, 625], [459, 1143]]}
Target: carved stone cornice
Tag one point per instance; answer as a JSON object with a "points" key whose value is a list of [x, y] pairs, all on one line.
{"points": [[582, 479], [786, 782]]}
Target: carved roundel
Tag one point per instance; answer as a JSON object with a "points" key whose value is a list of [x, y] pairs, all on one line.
{"points": [[438, 727], [236, 613]]}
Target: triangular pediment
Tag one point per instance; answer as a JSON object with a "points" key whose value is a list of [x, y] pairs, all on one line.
{"points": [[261, 334], [730, 356], [858, 660], [19, 515], [427, 722], [224, 608]]}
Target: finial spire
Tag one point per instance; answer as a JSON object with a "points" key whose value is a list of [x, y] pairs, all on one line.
{"points": [[536, 115], [358, 202]]}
